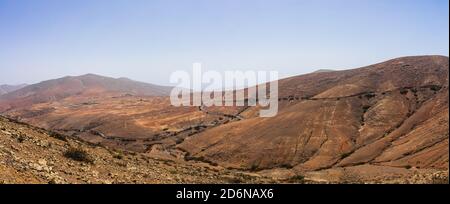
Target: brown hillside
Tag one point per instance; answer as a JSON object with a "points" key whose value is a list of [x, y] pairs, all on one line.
{"points": [[393, 113]]}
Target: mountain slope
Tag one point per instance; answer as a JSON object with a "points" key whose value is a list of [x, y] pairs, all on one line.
{"points": [[393, 113]]}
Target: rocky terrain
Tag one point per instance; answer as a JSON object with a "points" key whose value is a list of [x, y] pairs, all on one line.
{"points": [[85, 85], [384, 123], [33, 155]]}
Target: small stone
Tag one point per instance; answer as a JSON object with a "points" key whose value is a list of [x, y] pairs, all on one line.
{"points": [[42, 162], [95, 173], [107, 182], [38, 168]]}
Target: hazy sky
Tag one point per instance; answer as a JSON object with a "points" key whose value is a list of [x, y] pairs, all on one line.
{"points": [[146, 40]]}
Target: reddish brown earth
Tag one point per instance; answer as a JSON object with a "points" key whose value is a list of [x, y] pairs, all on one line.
{"points": [[33, 155], [392, 115]]}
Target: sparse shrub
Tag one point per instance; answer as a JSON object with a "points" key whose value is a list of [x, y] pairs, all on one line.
{"points": [[200, 159], [179, 140], [78, 154], [370, 95], [365, 108], [235, 180], [58, 136], [21, 138], [286, 166], [440, 180], [97, 133], [435, 88], [345, 155], [297, 179], [409, 114], [403, 91], [408, 167], [132, 153], [118, 155]]}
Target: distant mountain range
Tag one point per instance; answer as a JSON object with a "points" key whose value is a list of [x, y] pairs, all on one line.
{"points": [[89, 84], [4, 89], [324, 70], [393, 113]]}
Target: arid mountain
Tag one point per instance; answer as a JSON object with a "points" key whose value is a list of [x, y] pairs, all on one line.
{"points": [[385, 119], [86, 85], [393, 113], [4, 89]]}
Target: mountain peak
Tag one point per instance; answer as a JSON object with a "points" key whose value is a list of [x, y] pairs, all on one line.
{"points": [[90, 75]]}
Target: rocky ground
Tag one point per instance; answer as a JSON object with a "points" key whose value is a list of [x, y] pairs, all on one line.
{"points": [[390, 114], [32, 155]]}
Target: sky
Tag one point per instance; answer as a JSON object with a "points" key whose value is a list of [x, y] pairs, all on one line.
{"points": [[147, 40]]}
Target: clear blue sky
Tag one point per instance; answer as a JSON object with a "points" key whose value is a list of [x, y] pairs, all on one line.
{"points": [[148, 39]]}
